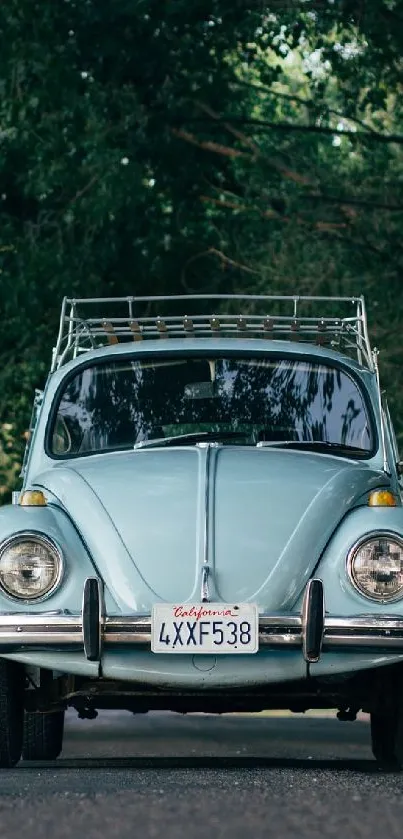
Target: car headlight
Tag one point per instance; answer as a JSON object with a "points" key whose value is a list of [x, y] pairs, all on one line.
{"points": [[375, 566], [30, 566]]}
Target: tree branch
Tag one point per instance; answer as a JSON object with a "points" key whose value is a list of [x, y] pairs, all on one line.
{"points": [[321, 226], [354, 202], [240, 135], [227, 261], [85, 189], [279, 167], [308, 103], [342, 201], [208, 145], [310, 129]]}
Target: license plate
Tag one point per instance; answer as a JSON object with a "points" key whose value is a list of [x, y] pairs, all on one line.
{"points": [[204, 628]]}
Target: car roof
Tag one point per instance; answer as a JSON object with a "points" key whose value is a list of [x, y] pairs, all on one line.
{"points": [[196, 346]]}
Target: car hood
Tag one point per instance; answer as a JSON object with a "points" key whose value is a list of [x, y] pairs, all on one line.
{"points": [[259, 518]]}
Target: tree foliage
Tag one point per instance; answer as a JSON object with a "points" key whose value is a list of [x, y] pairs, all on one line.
{"points": [[215, 145]]}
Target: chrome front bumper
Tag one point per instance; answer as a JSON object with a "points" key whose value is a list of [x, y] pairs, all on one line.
{"points": [[312, 631], [44, 630]]}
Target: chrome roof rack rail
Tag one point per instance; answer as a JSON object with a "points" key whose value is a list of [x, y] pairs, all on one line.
{"points": [[337, 322]]}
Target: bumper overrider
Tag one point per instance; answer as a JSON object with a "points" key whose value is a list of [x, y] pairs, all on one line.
{"points": [[312, 630]]}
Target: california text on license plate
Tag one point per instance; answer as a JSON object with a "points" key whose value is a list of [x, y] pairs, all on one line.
{"points": [[204, 628]]}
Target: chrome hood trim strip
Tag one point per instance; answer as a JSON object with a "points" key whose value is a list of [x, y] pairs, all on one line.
{"points": [[205, 567]]}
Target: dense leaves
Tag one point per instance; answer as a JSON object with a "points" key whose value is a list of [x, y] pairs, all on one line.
{"points": [[211, 145]]}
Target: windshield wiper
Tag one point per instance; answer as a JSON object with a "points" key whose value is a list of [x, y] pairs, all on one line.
{"points": [[194, 437], [324, 445]]}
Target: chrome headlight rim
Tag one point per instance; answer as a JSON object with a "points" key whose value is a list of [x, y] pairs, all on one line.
{"points": [[48, 542], [369, 537]]}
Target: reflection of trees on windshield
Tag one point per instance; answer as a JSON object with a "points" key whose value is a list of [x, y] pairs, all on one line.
{"points": [[117, 404]]}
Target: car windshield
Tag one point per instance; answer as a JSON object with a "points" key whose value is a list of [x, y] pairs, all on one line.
{"points": [[245, 401]]}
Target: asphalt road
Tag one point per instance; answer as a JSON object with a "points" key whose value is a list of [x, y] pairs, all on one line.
{"points": [[234, 777]]}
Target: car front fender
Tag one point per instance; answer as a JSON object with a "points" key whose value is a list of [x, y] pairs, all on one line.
{"points": [[52, 522], [341, 597]]}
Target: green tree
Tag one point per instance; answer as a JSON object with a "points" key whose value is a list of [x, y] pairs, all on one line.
{"points": [[215, 145]]}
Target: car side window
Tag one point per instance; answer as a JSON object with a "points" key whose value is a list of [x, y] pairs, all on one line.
{"points": [[61, 438]]}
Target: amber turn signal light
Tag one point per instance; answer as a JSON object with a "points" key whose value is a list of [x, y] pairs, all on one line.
{"points": [[32, 498], [381, 498]]}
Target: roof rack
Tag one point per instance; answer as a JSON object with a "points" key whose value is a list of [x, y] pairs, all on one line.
{"points": [[337, 322]]}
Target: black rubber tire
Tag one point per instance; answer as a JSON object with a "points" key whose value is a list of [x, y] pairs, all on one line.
{"points": [[387, 739], [43, 736], [12, 683]]}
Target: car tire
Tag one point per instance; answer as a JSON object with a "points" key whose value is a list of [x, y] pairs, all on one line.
{"points": [[12, 682], [43, 736], [387, 738]]}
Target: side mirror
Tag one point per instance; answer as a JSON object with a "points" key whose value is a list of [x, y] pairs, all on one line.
{"points": [[399, 467]]}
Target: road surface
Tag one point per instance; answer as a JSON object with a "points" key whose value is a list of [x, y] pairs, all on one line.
{"points": [[164, 776]]}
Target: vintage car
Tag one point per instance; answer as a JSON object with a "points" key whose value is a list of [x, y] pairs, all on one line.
{"points": [[210, 520]]}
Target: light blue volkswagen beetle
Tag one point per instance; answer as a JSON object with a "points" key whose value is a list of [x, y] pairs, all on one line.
{"points": [[210, 520]]}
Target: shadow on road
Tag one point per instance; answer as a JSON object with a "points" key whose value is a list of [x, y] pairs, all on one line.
{"points": [[168, 742]]}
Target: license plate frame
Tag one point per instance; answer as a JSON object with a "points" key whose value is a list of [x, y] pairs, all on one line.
{"points": [[205, 628]]}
